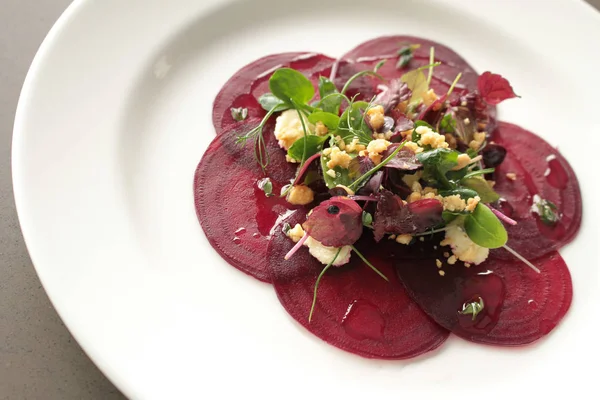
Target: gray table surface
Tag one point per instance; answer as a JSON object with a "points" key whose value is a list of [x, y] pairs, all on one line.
{"points": [[38, 357]]}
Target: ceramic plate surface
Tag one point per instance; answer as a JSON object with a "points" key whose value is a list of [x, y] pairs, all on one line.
{"points": [[114, 117]]}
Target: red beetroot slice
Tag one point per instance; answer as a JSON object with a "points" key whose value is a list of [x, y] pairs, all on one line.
{"points": [[252, 81], [386, 47], [356, 309], [540, 169], [235, 214], [520, 305]]}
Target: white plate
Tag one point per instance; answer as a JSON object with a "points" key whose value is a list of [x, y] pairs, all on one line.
{"points": [[113, 118]]}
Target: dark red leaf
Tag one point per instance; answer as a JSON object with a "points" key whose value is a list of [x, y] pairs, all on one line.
{"points": [[393, 217], [405, 159], [336, 222], [494, 88]]}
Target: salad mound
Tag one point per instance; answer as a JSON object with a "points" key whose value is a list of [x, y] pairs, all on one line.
{"points": [[386, 204]]}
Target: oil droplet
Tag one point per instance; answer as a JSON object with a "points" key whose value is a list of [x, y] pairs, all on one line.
{"points": [[237, 240], [363, 321], [240, 231], [532, 304], [556, 175]]}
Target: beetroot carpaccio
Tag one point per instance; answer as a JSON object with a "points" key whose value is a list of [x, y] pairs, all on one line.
{"points": [[381, 197]]}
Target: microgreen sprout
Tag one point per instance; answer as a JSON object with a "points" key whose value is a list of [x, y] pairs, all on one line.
{"points": [[312, 307], [431, 61], [378, 272], [473, 308], [354, 185]]}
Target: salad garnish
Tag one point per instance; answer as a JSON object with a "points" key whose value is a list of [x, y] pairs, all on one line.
{"points": [[428, 149]]}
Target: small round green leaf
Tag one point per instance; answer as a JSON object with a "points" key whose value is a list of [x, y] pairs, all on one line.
{"points": [[291, 86], [485, 229]]}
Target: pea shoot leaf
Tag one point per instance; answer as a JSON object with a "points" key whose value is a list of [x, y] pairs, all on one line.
{"points": [[484, 228], [314, 144], [291, 86]]}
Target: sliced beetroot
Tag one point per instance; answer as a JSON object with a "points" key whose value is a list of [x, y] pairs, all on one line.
{"points": [[540, 169], [335, 222], [386, 47], [252, 81], [520, 305], [356, 310], [235, 214]]}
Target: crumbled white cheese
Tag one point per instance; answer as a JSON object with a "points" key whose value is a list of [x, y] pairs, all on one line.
{"points": [[409, 179], [477, 141], [322, 253], [288, 128], [376, 117], [454, 203], [296, 233], [414, 147], [355, 146], [300, 195], [376, 148], [321, 129], [404, 238], [472, 203], [331, 173], [429, 97], [463, 247], [325, 253], [339, 158], [431, 138], [463, 160]]}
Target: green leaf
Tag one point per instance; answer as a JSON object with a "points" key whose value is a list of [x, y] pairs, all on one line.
{"points": [[353, 124], [473, 308], [406, 54], [314, 144], [417, 83], [482, 187], [330, 104], [436, 163], [484, 228], [546, 210], [268, 101], [330, 120], [367, 219], [379, 65], [479, 172], [266, 186], [239, 114], [464, 193], [291, 86], [342, 175], [450, 216], [448, 124], [415, 137]]}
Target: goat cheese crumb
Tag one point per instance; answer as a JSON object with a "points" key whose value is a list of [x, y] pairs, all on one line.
{"points": [[376, 117], [404, 239], [322, 253], [300, 195], [325, 253], [375, 148], [339, 158], [431, 138], [463, 247], [288, 128]]}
